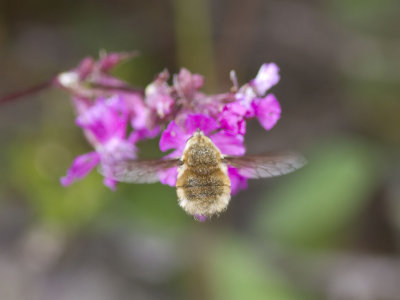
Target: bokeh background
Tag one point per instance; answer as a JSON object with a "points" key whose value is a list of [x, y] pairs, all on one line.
{"points": [[328, 231]]}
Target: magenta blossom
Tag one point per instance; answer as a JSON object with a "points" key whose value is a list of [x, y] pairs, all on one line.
{"points": [[121, 116], [158, 97], [251, 101], [267, 110], [267, 77], [104, 124], [92, 79]]}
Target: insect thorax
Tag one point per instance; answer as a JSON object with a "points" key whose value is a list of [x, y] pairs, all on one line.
{"points": [[201, 155]]}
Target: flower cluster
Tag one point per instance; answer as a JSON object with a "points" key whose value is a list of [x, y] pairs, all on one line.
{"points": [[114, 116]]}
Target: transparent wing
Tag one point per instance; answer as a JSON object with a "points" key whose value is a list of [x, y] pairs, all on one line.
{"points": [[139, 171], [266, 165]]}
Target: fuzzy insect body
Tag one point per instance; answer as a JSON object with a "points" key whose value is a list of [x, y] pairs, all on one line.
{"points": [[203, 185]]}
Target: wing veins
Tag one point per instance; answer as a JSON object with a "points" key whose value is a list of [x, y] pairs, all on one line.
{"points": [[266, 165], [138, 171]]}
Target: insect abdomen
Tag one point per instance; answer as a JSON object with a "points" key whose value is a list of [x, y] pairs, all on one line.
{"points": [[205, 195]]}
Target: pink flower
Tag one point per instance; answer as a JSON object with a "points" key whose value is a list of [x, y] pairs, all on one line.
{"points": [[233, 116], [104, 124], [106, 119], [267, 77], [250, 102], [91, 79], [108, 61], [179, 106], [238, 182], [157, 96], [80, 167], [267, 110], [187, 84]]}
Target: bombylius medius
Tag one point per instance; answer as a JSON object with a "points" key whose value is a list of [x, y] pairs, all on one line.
{"points": [[203, 185]]}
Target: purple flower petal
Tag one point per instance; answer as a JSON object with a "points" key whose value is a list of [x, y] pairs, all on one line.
{"points": [[138, 112], [104, 124], [110, 60], [201, 122], [173, 137], [236, 108], [268, 111], [229, 144], [101, 80], [210, 105], [161, 103], [200, 218], [230, 122], [245, 97], [80, 167], [232, 117], [242, 127], [267, 76], [238, 182], [82, 105], [106, 119], [85, 67], [187, 84], [110, 183], [157, 95], [169, 176]]}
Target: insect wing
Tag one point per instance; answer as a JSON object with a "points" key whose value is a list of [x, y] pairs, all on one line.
{"points": [[267, 165], [139, 171]]}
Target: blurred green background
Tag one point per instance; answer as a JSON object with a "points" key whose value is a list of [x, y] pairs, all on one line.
{"points": [[328, 231]]}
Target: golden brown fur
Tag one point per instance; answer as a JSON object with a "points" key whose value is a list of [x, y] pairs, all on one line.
{"points": [[203, 186]]}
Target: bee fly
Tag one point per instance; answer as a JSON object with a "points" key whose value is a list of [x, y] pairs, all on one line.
{"points": [[203, 185]]}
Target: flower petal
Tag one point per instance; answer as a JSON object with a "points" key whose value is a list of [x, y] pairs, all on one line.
{"points": [[187, 84], [141, 134], [200, 121], [85, 67], [268, 110], [157, 95], [200, 218], [245, 97], [106, 119], [267, 76], [236, 108], [137, 111], [230, 144], [238, 182], [80, 167], [108, 61], [110, 183], [173, 137], [232, 118]]}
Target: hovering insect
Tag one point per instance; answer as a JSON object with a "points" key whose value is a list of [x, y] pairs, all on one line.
{"points": [[203, 185]]}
